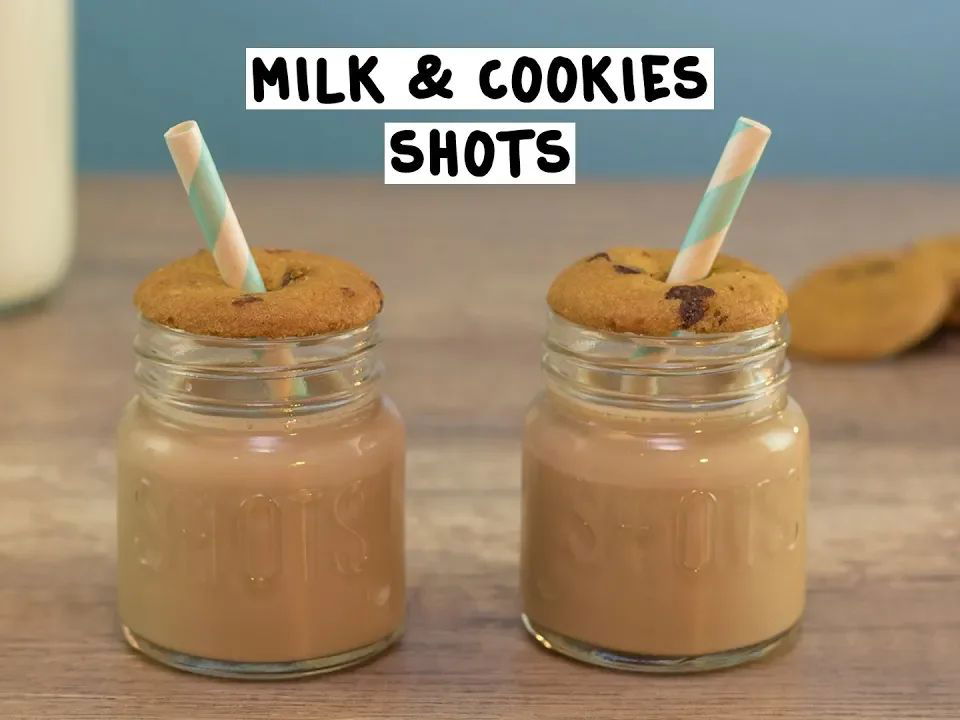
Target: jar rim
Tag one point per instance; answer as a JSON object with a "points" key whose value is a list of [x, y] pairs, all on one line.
{"points": [[210, 372], [574, 337], [253, 342], [689, 370]]}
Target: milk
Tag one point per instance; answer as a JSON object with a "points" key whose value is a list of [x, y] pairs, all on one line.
{"points": [[36, 147]]}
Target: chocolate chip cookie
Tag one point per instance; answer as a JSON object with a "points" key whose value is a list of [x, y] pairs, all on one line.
{"points": [[868, 306], [307, 294], [624, 289], [944, 250]]}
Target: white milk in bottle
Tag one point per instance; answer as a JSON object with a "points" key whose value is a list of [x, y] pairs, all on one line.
{"points": [[36, 147]]}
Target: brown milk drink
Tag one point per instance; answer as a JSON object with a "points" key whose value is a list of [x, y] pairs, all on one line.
{"points": [[664, 500], [261, 541], [698, 551]]}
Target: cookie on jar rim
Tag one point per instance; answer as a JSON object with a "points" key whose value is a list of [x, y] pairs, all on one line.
{"points": [[307, 294], [624, 289]]}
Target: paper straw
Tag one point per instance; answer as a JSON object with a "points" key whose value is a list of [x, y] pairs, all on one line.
{"points": [[221, 229], [211, 206], [720, 201]]}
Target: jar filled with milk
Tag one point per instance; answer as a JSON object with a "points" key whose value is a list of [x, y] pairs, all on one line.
{"points": [[36, 148]]}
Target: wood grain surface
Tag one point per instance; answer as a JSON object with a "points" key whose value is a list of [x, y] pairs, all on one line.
{"points": [[465, 271]]}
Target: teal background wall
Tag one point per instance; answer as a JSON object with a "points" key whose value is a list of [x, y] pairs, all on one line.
{"points": [[850, 87]]}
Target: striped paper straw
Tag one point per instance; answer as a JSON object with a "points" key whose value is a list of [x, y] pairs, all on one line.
{"points": [[211, 206], [720, 201], [221, 230]]}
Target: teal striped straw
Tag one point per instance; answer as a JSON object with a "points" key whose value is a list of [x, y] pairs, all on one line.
{"points": [[723, 195], [718, 206], [212, 208], [221, 230]]}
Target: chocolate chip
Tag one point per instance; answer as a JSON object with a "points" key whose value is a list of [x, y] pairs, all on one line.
{"points": [[627, 270], [246, 299], [693, 302], [290, 275], [597, 256], [348, 292]]}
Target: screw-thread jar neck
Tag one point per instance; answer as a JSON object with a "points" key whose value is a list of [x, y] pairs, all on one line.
{"points": [[685, 371], [256, 376]]}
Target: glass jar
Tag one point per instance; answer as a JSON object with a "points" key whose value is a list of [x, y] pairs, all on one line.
{"points": [[260, 506], [664, 499]]}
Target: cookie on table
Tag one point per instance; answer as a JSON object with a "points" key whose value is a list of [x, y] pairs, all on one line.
{"points": [[944, 250], [868, 305], [307, 294], [624, 289]]}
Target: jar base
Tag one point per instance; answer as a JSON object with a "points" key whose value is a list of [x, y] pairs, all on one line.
{"points": [[258, 670], [665, 664]]}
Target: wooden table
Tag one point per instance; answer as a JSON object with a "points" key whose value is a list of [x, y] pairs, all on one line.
{"points": [[465, 271]]}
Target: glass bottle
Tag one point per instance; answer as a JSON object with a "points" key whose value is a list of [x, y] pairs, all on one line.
{"points": [[36, 148]]}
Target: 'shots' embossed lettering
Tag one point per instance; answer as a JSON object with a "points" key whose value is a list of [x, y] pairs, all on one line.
{"points": [[694, 530], [185, 532]]}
